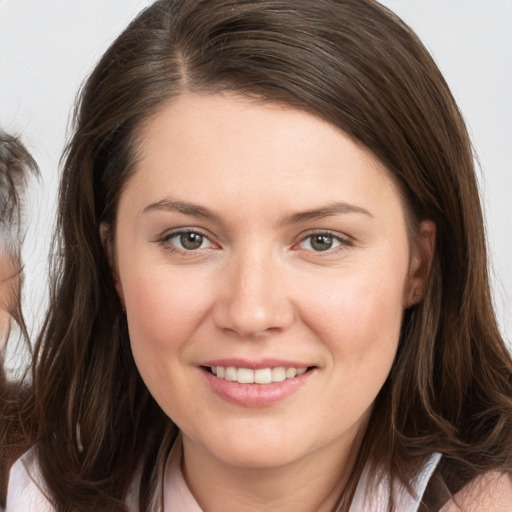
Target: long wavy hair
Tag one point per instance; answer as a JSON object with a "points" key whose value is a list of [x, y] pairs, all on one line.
{"points": [[16, 427], [358, 66]]}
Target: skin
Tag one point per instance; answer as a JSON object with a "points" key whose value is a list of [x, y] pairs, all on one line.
{"points": [[257, 289], [7, 276], [491, 492]]}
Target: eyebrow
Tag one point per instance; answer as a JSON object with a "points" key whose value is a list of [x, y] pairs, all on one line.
{"points": [[325, 211], [295, 218], [183, 207]]}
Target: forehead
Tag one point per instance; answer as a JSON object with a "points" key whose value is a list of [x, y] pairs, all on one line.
{"points": [[211, 124], [214, 147]]}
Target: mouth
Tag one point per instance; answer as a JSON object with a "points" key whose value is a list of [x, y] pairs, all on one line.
{"points": [[263, 385], [261, 376]]}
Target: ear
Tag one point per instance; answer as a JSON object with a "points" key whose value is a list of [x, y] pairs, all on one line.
{"points": [[422, 255], [108, 247]]}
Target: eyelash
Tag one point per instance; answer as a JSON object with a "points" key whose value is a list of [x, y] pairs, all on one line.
{"points": [[165, 241], [343, 242]]}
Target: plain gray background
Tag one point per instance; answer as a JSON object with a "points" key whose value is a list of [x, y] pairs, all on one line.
{"points": [[48, 47]]}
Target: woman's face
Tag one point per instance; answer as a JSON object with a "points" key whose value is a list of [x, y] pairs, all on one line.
{"points": [[258, 242]]}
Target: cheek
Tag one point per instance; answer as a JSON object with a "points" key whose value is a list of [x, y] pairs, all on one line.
{"points": [[359, 324], [359, 316], [163, 307], [163, 313]]}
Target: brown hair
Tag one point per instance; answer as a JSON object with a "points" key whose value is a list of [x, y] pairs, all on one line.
{"points": [[356, 65], [16, 164]]}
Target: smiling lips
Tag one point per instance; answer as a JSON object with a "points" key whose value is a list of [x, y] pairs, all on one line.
{"points": [[259, 376], [251, 384]]}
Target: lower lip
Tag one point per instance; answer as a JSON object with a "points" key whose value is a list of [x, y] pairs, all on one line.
{"points": [[255, 395]]}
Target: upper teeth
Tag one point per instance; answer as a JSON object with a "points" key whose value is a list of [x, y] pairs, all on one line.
{"points": [[260, 376]]}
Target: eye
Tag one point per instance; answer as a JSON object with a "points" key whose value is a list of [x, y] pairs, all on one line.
{"points": [[188, 240], [321, 242]]}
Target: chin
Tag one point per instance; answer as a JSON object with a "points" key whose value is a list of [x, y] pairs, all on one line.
{"points": [[259, 457], [259, 446]]}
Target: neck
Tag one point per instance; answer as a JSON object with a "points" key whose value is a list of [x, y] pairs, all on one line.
{"points": [[314, 483]]}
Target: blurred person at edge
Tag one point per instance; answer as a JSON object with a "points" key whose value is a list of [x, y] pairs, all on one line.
{"points": [[16, 165], [273, 291]]}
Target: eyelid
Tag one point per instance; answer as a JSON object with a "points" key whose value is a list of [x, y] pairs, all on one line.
{"points": [[165, 238], [345, 241]]}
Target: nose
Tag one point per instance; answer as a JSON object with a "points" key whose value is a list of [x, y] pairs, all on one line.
{"points": [[252, 299]]}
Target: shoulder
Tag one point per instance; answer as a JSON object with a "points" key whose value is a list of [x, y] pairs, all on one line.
{"points": [[491, 492], [26, 489]]}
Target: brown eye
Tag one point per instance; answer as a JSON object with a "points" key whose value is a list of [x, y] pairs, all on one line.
{"points": [[191, 241], [321, 242], [187, 240]]}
